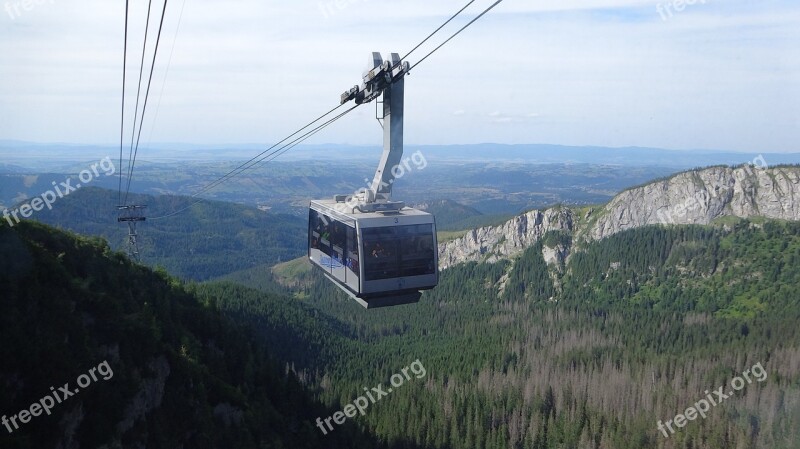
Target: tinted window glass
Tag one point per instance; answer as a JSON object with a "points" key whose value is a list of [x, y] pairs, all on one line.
{"points": [[319, 234], [380, 253], [417, 257], [313, 236], [352, 261], [337, 236], [398, 251]]}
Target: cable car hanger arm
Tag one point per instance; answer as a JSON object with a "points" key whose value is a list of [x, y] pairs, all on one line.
{"points": [[385, 78]]}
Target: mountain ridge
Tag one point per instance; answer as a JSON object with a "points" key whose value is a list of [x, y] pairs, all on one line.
{"points": [[694, 197]]}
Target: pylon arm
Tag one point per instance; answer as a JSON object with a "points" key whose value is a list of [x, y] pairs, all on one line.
{"points": [[131, 213]]}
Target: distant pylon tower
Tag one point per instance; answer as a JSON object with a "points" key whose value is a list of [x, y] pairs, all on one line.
{"points": [[132, 215]]}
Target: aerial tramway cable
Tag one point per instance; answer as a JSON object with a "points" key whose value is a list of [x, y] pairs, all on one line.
{"points": [[271, 156], [246, 165], [122, 115], [146, 96], [166, 73], [138, 96], [434, 32], [458, 32]]}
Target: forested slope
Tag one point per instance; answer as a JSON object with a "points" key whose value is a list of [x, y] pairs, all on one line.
{"points": [[589, 354], [176, 371]]}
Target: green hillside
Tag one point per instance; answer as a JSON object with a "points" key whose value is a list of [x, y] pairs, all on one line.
{"points": [[175, 371], [210, 239]]}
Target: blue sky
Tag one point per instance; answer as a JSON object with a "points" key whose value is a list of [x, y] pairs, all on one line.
{"points": [[713, 75]]}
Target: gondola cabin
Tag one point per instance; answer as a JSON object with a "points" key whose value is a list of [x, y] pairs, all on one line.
{"points": [[378, 258], [378, 251]]}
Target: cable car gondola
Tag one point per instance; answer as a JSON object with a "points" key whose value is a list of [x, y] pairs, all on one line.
{"points": [[378, 251], [380, 259]]}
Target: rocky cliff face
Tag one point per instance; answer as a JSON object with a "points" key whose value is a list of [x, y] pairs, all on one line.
{"points": [[491, 244], [699, 197], [694, 197]]}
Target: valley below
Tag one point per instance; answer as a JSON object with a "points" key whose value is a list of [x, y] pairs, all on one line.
{"points": [[593, 323]]}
